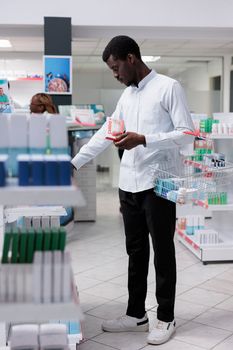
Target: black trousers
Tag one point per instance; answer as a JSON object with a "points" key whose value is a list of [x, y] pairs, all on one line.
{"points": [[145, 213]]}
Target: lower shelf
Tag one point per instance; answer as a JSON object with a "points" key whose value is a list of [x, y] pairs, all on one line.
{"points": [[223, 251], [14, 195], [29, 312]]}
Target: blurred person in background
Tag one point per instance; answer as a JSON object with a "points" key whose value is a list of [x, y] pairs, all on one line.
{"points": [[42, 103]]}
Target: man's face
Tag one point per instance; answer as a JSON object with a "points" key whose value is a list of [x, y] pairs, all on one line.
{"points": [[123, 71]]}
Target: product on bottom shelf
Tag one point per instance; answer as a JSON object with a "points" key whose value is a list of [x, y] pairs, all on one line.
{"points": [[53, 336], [24, 336], [73, 329], [47, 280], [35, 337], [206, 236]]}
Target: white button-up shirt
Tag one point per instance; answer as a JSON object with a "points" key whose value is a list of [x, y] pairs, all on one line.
{"points": [[158, 110]]}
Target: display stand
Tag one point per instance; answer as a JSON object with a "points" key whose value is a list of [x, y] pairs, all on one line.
{"points": [[85, 178], [218, 217], [13, 195]]}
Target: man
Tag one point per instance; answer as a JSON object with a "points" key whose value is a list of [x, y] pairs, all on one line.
{"points": [[155, 115]]}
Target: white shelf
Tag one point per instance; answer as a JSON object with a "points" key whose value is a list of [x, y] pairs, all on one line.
{"points": [[40, 195], [29, 312], [189, 209], [12, 214], [223, 251], [221, 207], [72, 126], [221, 137], [189, 243]]}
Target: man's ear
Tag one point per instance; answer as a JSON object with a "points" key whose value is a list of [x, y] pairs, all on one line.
{"points": [[131, 58]]}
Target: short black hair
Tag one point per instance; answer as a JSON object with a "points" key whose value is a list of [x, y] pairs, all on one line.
{"points": [[119, 47]]}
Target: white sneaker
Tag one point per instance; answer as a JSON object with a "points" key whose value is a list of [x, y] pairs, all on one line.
{"points": [[161, 332], [126, 324]]}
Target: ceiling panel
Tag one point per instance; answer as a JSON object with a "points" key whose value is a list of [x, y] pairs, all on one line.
{"points": [[87, 52]]}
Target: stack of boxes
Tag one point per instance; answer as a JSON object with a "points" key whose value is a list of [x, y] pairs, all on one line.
{"points": [[3, 160], [34, 134], [194, 225], [44, 170], [85, 178]]}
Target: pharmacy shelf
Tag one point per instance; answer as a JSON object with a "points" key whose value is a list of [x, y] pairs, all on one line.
{"points": [[29, 312], [71, 126], [12, 214], [221, 207], [40, 195], [221, 137], [223, 251], [189, 243], [189, 209]]}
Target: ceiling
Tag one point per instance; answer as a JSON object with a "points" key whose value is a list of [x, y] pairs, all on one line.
{"points": [[180, 49]]}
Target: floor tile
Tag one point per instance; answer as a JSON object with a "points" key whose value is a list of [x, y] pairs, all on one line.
{"points": [[201, 335], [227, 344], [226, 305], [174, 344], [110, 310], [218, 285], [107, 272], [188, 310], [107, 290], [91, 326], [217, 318], [92, 345], [89, 301], [203, 297], [120, 280], [123, 341], [182, 288], [83, 282]]}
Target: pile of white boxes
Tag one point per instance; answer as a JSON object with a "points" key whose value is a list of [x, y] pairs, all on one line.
{"points": [[85, 178]]}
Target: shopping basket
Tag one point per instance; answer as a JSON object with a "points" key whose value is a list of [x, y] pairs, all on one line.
{"points": [[194, 182]]}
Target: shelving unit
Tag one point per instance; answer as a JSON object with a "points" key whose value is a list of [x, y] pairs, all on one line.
{"points": [[29, 312], [223, 251], [32, 201], [41, 195], [13, 195], [221, 137], [218, 217]]}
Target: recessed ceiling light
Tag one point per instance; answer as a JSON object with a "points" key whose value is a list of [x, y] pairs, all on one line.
{"points": [[150, 58], [5, 43]]}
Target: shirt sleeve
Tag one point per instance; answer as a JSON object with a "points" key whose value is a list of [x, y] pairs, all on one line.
{"points": [[97, 144], [181, 120]]}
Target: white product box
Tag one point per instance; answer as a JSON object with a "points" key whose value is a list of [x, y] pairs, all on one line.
{"points": [[47, 277], [18, 131], [37, 131]]}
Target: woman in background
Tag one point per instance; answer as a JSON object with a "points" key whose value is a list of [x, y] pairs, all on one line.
{"points": [[42, 104]]}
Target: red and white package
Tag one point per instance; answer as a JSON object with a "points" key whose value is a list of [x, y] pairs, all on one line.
{"points": [[115, 127]]}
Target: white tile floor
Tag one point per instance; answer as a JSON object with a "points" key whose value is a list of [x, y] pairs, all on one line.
{"points": [[204, 303]]}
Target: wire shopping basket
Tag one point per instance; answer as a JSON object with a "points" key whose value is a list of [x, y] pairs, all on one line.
{"points": [[194, 182]]}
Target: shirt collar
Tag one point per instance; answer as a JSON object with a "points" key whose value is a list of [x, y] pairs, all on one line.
{"points": [[145, 80]]}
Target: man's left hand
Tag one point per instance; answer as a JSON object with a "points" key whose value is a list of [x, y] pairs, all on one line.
{"points": [[129, 140]]}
